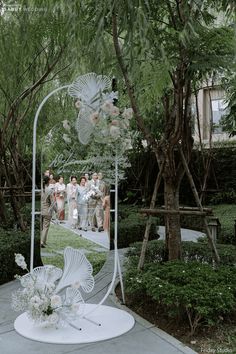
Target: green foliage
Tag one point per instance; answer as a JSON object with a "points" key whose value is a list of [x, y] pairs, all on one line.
{"points": [[12, 242], [12, 225], [187, 291], [226, 215], [144, 167], [191, 251], [228, 196], [228, 121], [153, 36], [131, 226]]}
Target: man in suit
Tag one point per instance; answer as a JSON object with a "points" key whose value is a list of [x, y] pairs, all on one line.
{"points": [[46, 210], [95, 203]]}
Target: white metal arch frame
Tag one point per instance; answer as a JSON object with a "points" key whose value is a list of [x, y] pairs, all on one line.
{"points": [[34, 213]]}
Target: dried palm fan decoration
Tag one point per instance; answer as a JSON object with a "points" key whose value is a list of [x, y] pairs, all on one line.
{"points": [[91, 93]]}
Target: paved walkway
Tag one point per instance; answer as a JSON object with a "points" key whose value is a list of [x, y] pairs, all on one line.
{"points": [[100, 238], [186, 234], [142, 338]]}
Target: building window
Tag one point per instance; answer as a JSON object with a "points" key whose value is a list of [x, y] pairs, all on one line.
{"points": [[218, 107]]}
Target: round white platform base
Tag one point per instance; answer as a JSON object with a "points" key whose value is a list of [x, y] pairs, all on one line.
{"points": [[113, 322]]}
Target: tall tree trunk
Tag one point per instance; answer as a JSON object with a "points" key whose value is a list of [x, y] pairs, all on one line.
{"points": [[177, 114], [173, 233]]}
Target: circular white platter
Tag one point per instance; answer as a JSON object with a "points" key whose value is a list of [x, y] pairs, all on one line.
{"points": [[105, 322]]}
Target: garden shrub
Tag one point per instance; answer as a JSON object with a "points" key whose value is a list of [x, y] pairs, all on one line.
{"points": [[190, 291], [12, 242], [26, 213], [228, 196], [192, 222], [191, 251], [227, 238], [131, 227]]}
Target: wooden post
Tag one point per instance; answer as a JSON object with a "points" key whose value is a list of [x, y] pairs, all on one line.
{"points": [[172, 211], [149, 221], [208, 232]]}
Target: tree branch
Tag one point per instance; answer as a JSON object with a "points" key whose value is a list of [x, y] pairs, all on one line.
{"points": [[30, 89], [53, 77], [29, 66], [172, 15], [147, 134]]}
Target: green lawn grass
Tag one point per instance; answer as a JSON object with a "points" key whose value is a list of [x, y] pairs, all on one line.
{"points": [[59, 238]]}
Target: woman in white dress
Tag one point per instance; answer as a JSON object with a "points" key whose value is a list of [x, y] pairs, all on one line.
{"points": [[82, 202], [72, 190], [60, 192]]}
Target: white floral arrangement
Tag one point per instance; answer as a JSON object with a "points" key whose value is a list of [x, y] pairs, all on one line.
{"points": [[109, 121], [93, 193], [98, 114], [38, 296], [90, 194]]}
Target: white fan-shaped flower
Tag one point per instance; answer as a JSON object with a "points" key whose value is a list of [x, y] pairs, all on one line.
{"points": [[46, 275], [87, 87], [84, 126], [73, 296], [89, 91], [76, 269], [96, 107]]}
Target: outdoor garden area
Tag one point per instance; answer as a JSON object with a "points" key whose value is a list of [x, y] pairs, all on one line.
{"points": [[142, 93]]}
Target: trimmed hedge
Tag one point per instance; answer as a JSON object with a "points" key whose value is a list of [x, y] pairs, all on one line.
{"points": [[12, 242], [192, 251], [194, 293], [191, 290], [131, 226]]}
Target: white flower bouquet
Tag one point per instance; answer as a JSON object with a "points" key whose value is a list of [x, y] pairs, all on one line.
{"points": [[93, 193], [38, 295]]}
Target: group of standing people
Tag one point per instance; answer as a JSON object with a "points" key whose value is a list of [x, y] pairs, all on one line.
{"points": [[88, 203]]}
